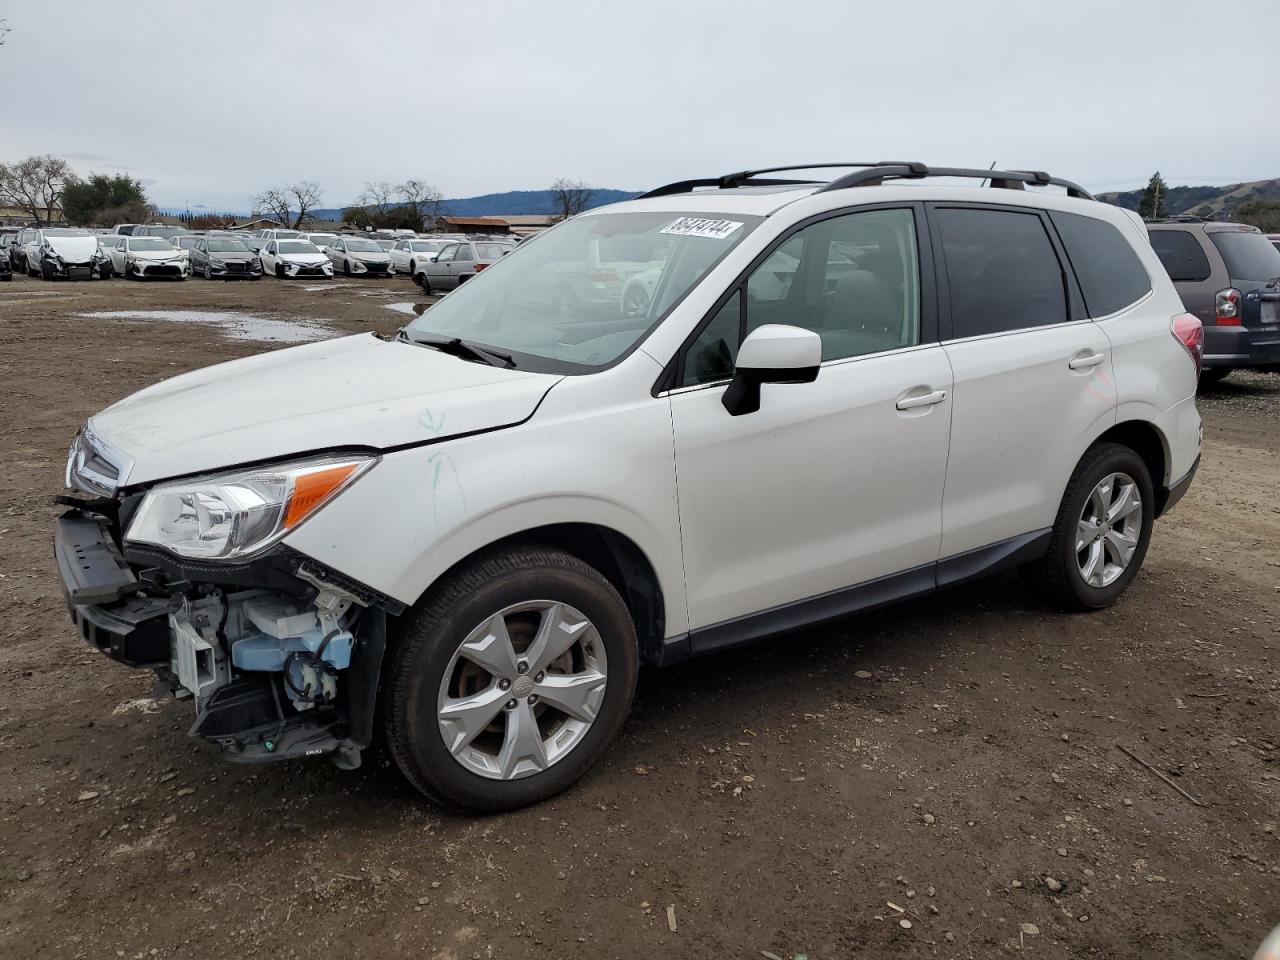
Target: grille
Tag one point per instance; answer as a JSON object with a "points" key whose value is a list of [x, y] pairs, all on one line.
{"points": [[163, 270]]}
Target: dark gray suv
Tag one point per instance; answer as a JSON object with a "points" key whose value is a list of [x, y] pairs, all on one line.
{"points": [[1228, 275]]}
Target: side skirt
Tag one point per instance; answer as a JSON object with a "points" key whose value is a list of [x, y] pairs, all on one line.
{"points": [[827, 607]]}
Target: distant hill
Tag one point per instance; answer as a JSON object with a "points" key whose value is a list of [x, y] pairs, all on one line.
{"points": [[513, 202], [1202, 201]]}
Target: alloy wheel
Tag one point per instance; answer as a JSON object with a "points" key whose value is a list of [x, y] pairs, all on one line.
{"points": [[1108, 530], [522, 690]]}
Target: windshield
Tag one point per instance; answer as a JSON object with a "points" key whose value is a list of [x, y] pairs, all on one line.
{"points": [[363, 246], [150, 243], [297, 246], [226, 245], [322, 238], [165, 231], [286, 234], [424, 246], [491, 251], [385, 244], [64, 232], [1248, 256], [562, 298]]}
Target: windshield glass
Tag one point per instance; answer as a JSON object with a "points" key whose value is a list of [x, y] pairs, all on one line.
{"points": [[150, 243], [322, 238], [561, 299], [65, 232], [424, 246], [1248, 256], [491, 251], [286, 234], [298, 246], [226, 245], [363, 246]]}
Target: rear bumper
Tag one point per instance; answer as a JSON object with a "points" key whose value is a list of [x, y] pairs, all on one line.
{"points": [[1240, 346]]}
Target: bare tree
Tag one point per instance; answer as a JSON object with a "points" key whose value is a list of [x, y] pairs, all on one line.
{"points": [[378, 198], [289, 205], [422, 198], [4, 29], [35, 185], [570, 197]]}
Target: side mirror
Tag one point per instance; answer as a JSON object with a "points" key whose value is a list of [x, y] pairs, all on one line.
{"points": [[773, 353]]}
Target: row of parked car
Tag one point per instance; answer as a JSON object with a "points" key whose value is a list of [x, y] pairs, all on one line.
{"points": [[437, 262]]}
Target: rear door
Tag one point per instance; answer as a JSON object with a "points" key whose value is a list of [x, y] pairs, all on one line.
{"points": [[462, 265], [1033, 379]]}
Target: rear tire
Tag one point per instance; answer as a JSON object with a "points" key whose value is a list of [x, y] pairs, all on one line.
{"points": [[427, 661], [1096, 490], [1214, 375]]}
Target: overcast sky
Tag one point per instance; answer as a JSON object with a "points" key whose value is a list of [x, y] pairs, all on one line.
{"points": [[208, 103]]}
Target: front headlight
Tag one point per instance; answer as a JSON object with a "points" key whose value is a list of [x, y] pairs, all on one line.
{"points": [[230, 516]]}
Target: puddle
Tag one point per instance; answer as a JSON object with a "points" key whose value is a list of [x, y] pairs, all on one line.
{"points": [[234, 325], [412, 309], [321, 287]]}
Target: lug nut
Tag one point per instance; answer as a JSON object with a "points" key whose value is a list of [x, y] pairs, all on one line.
{"points": [[504, 684], [533, 698], [538, 678], [522, 667], [511, 704]]}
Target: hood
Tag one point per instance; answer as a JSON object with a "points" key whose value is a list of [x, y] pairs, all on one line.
{"points": [[380, 257], [232, 255], [357, 391], [75, 249], [307, 258], [157, 256]]}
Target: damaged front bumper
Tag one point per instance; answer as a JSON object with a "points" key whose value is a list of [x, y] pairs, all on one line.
{"points": [[279, 655]]}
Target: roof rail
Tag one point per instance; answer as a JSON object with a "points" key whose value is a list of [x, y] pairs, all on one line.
{"points": [[874, 174], [1000, 179], [749, 178]]}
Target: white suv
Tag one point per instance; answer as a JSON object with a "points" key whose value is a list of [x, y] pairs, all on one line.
{"points": [[837, 395]]}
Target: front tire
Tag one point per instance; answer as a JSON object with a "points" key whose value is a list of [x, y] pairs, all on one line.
{"points": [[509, 680], [1102, 530]]}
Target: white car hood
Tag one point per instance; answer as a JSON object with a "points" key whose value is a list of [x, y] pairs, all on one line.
{"points": [[310, 259], [381, 257], [75, 249], [358, 391], [156, 256]]}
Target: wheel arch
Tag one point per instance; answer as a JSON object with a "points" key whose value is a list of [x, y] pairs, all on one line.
{"points": [[617, 557], [1146, 440]]}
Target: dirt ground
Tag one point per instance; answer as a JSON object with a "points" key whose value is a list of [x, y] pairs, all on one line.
{"points": [[941, 779]]}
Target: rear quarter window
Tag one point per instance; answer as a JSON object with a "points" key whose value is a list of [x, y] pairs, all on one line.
{"points": [[1181, 255], [1110, 275], [1248, 256]]}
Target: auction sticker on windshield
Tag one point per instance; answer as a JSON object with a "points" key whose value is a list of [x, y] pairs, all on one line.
{"points": [[701, 227]]}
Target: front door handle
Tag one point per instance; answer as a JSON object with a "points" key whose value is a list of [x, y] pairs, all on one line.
{"points": [[1086, 361], [924, 400]]}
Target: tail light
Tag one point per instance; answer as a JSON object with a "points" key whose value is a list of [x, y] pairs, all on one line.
{"points": [[1226, 307], [480, 265], [602, 276], [1187, 330]]}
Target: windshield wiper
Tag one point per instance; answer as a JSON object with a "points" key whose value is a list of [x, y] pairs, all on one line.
{"points": [[456, 346]]}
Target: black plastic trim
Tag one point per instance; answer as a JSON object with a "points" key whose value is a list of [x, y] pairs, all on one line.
{"points": [[1167, 498], [837, 604]]}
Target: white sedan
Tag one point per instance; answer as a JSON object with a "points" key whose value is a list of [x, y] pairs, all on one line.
{"points": [[294, 258], [136, 258], [358, 256], [408, 253]]}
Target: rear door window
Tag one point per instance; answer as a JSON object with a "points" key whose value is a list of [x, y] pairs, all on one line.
{"points": [[1002, 271], [1248, 256], [1110, 275], [1181, 255]]}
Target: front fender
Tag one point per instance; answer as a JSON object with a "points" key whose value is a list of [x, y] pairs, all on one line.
{"points": [[422, 510]]}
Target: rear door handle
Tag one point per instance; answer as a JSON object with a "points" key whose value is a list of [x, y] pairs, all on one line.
{"points": [[1086, 361], [924, 400]]}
